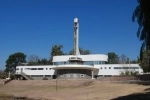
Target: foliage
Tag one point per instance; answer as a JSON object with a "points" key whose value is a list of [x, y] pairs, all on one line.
{"points": [[13, 60], [45, 78], [127, 73], [112, 58], [123, 59], [81, 50], [56, 50], [145, 61], [142, 16], [3, 74]]}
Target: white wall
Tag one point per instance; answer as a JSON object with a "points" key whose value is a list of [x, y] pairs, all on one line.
{"points": [[49, 70], [92, 57], [113, 71]]}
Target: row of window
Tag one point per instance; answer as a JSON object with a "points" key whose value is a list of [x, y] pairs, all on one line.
{"points": [[40, 75], [83, 63], [34, 68], [121, 68]]}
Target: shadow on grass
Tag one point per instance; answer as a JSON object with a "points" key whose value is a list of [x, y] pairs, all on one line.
{"points": [[136, 96]]}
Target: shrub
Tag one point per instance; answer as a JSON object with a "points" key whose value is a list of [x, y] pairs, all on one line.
{"points": [[45, 78]]}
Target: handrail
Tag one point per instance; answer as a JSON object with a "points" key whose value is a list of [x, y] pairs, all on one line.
{"points": [[26, 76]]}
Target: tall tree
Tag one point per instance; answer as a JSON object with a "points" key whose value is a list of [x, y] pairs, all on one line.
{"points": [[112, 58], [123, 59], [13, 60], [33, 60], [82, 51], [142, 14], [56, 50], [145, 62]]}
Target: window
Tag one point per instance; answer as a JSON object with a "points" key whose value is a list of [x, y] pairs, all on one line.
{"points": [[40, 68], [109, 67], [81, 75], [101, 67], [33, 68], [27, 68], [46, 68], [117, 68], [134, 67], [105, 67], [49, 68], [47, 75]]}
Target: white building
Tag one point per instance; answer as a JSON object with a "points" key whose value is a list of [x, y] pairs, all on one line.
{"points": [[75, 66]]}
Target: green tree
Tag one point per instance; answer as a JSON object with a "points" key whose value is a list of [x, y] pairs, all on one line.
{"points": [[145, 62], [112, 58], [3, 75], [43, 61], [142, 16], [82, 51], [56, 50], [13, 60]]}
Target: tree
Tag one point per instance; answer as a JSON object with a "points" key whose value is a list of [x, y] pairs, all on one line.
{"points": [[142, 16], [13, 60], [112, 58], [33, 60], [145, 62], [43, 61], [82, 51], [123, 59], [3, 75], [56, 50]]}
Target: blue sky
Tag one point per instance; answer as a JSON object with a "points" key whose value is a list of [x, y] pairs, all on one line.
{"points": [[33, 26]]}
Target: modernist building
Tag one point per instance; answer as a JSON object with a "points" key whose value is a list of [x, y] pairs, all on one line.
{"points": [[75, 66]]}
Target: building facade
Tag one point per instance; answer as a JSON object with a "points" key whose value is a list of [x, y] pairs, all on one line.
{"points": [[75, 66]]}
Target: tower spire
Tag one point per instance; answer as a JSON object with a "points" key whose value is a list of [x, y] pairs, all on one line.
{"points": [[76, 37]]}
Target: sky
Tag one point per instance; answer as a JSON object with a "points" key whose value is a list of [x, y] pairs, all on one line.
{"points": [[33, 26]]}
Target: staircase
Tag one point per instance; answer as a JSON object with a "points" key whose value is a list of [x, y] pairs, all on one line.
{"points": [[26, 76]]}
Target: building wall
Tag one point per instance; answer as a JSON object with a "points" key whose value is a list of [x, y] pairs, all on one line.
{"points": [[46, 70], [92, 57], [102, 70], [116, 69], [74, 74]]}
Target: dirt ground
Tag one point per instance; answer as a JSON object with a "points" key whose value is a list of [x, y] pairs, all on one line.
{"points": [[70, 89]]}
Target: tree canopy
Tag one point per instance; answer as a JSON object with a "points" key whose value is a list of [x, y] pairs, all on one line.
{"points": [[56, 50], [112, 58], [13, 60], [82, 51], [145, 62], [142, 16]]}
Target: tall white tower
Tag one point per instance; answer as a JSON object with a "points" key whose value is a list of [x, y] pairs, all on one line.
{"points": [[76, 37]]}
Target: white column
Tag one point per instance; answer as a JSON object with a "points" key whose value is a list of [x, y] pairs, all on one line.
{"points": [[92, 75]]}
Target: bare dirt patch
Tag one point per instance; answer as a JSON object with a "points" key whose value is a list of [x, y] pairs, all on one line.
{"points": [[70, 89]]}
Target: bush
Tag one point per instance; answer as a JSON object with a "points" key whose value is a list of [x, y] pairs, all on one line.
{"points": [[127, 73], [45, 78]]}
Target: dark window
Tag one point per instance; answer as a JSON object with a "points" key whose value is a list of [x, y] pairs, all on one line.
{"points": [[33, 68], [105, 68], [134, 67], [109, 67], [47, 75], [40, 68], [117, 68]]}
